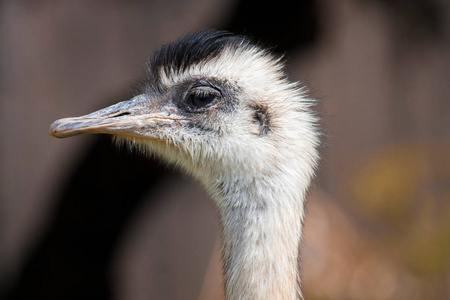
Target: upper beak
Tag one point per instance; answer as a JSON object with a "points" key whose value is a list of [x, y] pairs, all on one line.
{"points": [[124, 118]]}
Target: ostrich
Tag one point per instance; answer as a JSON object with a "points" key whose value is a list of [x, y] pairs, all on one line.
{"points": [[221, 108]]}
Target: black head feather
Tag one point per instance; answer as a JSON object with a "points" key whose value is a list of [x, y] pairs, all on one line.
{"points": [[189, 50]]}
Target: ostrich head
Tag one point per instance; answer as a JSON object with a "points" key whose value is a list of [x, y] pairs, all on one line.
{"points": [[221, 108], [218, 106]]}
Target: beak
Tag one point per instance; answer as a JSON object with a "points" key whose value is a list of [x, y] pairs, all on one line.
{"points": [[127, 118]]}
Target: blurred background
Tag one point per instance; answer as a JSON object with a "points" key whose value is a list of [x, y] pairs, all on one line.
{"points": [[81, 219]]}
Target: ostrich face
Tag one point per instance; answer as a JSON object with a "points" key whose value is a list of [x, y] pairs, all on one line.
{"points": [[211, 102], [192, 121], [194, 109]]}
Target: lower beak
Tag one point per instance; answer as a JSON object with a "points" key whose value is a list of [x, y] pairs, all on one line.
{"points": [[126, 118]]}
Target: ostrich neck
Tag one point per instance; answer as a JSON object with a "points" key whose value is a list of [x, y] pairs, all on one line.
{"points": [[261, 232]]}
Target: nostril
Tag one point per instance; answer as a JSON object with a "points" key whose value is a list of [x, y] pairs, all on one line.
{"points": [[121, 115]]}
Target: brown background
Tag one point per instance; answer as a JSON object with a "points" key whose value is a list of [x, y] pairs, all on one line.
{"points": [[80, 219]]}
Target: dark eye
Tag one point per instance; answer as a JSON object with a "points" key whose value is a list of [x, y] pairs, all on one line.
{"points": [[201, 98]]}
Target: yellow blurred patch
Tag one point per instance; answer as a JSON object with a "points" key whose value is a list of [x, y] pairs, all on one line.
{"points": [[402, 193]]}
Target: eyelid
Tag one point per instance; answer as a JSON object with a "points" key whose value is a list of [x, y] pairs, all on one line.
{"points": [[205, 90]]}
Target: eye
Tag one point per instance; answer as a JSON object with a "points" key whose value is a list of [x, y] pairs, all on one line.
{"points": [[201, 97]]}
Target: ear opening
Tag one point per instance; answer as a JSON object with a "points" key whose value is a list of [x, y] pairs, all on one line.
{"points": [[262, 119]]}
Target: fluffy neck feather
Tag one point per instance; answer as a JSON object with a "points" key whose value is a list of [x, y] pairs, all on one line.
{"points": [[261, 232]]}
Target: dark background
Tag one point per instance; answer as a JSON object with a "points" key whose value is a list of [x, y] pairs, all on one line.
{"points": [[82, 219]]}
